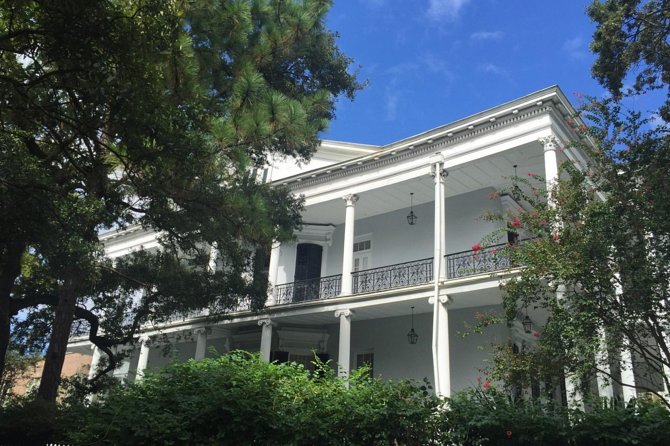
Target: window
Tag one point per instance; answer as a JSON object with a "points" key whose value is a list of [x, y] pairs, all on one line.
{"points": [[363, 245], [366, 359]]}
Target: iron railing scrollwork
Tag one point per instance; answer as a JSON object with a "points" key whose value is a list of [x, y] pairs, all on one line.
{"points": [[307, 290], [485, 260], [393, 276]]}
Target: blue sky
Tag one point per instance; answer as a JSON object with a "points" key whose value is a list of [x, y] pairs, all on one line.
{"points": [[430, 62]]}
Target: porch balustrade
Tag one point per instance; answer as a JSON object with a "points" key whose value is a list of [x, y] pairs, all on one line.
{"points": [[310, 289], [393, 276], [417, 272], [472, 262]]}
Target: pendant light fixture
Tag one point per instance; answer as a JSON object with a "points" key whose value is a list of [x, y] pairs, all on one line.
{"points": [[412, 337], [411, 217], [527, 323]]}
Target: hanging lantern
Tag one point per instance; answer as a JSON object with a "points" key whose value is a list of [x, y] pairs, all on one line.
{"points": [[411, 217], [412, 336]]}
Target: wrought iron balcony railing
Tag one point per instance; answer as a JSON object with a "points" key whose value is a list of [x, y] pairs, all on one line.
{"points": [[393, 276], [306, 290], [471, 262]]}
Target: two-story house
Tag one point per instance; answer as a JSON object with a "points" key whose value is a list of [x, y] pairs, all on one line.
{"points": [[387, 269]]}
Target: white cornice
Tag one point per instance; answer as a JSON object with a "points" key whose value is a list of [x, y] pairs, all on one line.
{"points": [[549, 101]]}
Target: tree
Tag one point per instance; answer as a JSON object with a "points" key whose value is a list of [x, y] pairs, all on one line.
{"points": [[602, 239], [150, 113], [632, 35], [17, 367]]}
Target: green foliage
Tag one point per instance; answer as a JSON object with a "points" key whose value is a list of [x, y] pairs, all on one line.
{"points": [[632, 36], [151, 113], [239, 399], [490, 417], [599, 260], [16, 367]]}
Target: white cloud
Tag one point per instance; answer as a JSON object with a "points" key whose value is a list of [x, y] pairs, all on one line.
{"points": [[445, 9], [575, 48], [493, 69], [391, 104], [486, 35]]}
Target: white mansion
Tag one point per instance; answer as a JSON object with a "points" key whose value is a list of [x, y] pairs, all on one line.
{"points": [[387, 247]]}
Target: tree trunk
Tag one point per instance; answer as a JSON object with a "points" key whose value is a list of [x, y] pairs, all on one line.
{"points": [[10, 268], [60, 334]]}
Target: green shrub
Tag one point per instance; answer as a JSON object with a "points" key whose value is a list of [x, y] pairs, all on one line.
{"points": [[490, 417], [239, 399]]}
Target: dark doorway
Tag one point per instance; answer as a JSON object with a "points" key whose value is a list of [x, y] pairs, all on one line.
{"points": [[307, 272]]}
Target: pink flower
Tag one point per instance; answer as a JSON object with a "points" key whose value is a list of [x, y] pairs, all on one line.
{"points": [[555, 236], [516, 223], [494, 251], [486, 385], [532, 175], [536, 334], [479, 379], [534, 214], [476, 247]]}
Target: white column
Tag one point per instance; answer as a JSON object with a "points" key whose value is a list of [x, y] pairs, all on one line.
{"points": [[348, 252], [439, 175], [344, 352], [550, 144], [95, 360], [200, 342], [627, 376], [227, 341], [266, 338], [440, 338], [143, 360], [575, 400], [272, 273], [444, 363], [626, 359], [572, 389], [605, 389], [213, 257]]}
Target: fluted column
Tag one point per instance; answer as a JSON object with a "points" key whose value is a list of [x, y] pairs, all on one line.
{"points": [[266, 338], [550, 144], [344, 352], [200, 342], [348, 252], [143, 360]]}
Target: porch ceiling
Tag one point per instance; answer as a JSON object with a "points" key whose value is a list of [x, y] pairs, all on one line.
{"points": [[484, 173]]}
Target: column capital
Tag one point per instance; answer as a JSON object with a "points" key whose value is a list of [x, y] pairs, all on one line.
{"points": [[350, 199], [344, 312], [266, 322], [549, 142], [200, 331], [144, 339], [444, 173]]}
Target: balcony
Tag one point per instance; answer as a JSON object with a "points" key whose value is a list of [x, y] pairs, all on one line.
{"points": [[393, 276], [485, 260], [307, 290], [417, 272]]}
